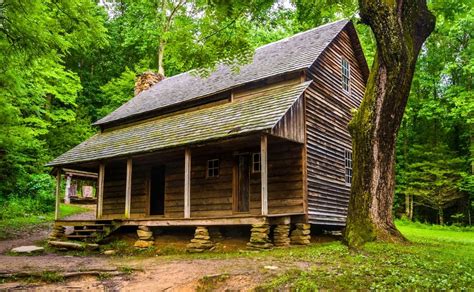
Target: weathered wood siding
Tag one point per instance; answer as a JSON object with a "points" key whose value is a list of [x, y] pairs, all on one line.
{"points": [[285, 178], [210, 197], [114, 190], [328, 109], [291, 126]]}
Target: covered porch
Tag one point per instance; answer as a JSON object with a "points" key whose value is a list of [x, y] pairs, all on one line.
{"points": [[246, 180]]}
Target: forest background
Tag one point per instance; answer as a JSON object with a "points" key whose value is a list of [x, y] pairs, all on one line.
{"points": [[67, 63]]}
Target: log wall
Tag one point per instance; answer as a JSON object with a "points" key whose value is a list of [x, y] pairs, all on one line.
{"points": [[328, 109]]}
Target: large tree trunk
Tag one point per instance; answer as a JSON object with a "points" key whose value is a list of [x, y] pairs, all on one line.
{"points": [[400, 28]]}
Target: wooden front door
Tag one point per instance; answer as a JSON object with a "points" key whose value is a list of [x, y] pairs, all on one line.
{"points": [[157, 191], [243, 184]]}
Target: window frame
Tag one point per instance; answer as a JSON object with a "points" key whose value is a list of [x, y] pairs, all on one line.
{"points": [[345, 75], [214, 168], [254, 162], [348, 166]]}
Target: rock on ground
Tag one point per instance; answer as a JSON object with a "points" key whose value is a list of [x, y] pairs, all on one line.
{"points": [[27, 249]]}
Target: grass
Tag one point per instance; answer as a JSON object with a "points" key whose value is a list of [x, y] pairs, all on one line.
{"points": [[436, 258], [12, 227]]}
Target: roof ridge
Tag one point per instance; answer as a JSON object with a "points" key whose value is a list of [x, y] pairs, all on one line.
{"points": [[302, 32], [295, 53]]}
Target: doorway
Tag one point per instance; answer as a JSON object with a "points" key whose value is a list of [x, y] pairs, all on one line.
{"points": [[243, 184], [157, 191]]}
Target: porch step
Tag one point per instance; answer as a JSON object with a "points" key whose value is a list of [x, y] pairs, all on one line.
{"points": [[76, 236], [88, 230], [91, 231]]}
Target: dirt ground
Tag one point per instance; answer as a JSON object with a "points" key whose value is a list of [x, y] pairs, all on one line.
{"points": [[159, 273]]}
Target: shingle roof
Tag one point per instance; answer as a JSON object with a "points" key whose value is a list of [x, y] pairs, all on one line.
{"points": [[292, 54], [222, 121]]}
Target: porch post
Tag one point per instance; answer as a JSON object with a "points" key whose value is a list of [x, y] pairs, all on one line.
{"points": [[58, 192], [128, 188], [264, 173], [187, 183], [100, 190], [67, 200]]}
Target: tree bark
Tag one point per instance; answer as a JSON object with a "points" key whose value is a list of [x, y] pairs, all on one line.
{"points": [[441, 215], [161, 52], [400, 28]]}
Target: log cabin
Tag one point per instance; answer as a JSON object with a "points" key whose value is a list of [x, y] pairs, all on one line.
{"points": [[265, 145]]}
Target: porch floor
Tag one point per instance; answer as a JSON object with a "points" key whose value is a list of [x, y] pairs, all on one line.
{"points": [[244, 219]]}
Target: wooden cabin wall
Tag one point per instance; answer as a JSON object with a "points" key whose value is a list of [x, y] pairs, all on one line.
{"points": [[174, 189], [210, 197], [328, 109], [114, 190], [285, 178], [291, 126]]}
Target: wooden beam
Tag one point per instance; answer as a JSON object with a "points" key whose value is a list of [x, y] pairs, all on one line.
{"points": [[264, 172], [58, 192], [196, 222], [187, 183], [128, 188], [100, 190]]}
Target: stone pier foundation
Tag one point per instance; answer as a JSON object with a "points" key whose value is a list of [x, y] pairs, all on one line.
{"points": [[301, 235], [259, 238], [145, 237], [281, 235], [201, 241]]}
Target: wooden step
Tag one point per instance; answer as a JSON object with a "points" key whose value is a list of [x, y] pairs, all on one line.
{"points": [[79, 236], [88, 230]]}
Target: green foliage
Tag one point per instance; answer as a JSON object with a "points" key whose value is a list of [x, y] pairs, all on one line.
{"points": [[117, 91], [433, 178], [20, 217], [435, 144], [38, 92], [33, 198]]}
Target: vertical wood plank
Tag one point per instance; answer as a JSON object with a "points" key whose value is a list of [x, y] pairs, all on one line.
{"points": [[235, 185], [187, 183], [264, 172], [128, 188], [304, 157], [100, 191], [58, 187]]}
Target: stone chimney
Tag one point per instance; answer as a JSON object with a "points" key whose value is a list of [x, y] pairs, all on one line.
{"points": [[146, 80]]}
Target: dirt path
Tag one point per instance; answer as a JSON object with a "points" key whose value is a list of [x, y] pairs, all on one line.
{"points": [[151, 274], [41, 231]]}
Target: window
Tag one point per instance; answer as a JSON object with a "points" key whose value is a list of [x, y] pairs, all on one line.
{"points": [[213, 168], [348, 166], [256, 162], [346, 74]]}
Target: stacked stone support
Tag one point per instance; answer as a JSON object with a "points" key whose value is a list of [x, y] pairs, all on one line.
{"points": [[57, 232], [281, 235], [145, 237], [259, 238], [201, 241], [301, 235]]}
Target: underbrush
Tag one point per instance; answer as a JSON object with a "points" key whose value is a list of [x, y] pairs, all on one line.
{"points": [[13, 226]]}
